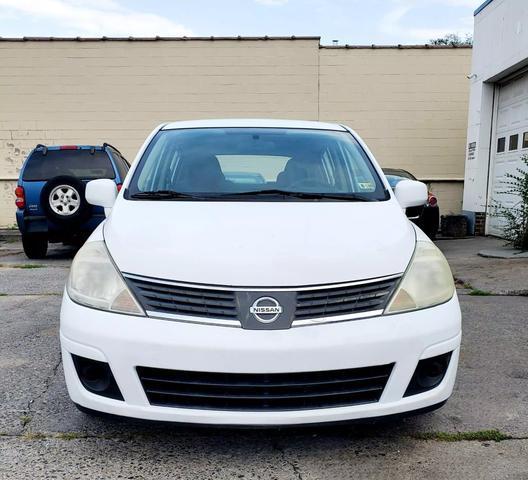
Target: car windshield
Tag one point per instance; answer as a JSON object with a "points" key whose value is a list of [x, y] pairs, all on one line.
{"points": [[76, 163], [250, 163]]}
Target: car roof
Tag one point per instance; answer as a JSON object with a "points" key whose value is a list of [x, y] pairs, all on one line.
{"points": [[253, 122], [396, 172], [79, 147]]}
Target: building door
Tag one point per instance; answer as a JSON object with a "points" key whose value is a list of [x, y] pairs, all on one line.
{"points": [[510, 143]]}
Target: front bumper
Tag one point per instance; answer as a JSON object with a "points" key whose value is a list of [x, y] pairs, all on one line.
{"points": [[125, 342]]}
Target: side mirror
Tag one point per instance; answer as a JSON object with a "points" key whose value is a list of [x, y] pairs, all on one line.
{"points": [[102, 193], [411, 193]]}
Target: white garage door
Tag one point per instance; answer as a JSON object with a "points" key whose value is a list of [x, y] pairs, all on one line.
{"points": [[510, 143]]}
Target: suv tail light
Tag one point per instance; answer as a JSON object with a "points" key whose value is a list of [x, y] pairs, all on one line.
{"points": [[20, 200], [432, 201], [68, 147], [119, 185]]}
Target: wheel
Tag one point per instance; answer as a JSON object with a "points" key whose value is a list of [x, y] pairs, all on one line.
{"points": [[430, 221], [35, 245], [64, 202]]}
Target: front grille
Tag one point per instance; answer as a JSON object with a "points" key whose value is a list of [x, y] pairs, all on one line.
{"points": [[192, 301], [225, 306], [344, 300], [264, 392]]}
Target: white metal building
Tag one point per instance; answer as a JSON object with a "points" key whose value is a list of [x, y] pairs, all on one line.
{"points": [[498, 108]]}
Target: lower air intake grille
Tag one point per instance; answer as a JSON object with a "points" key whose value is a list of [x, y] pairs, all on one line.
{"points": [[264, 392]]}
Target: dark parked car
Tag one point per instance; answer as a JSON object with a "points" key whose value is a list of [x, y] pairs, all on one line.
{"points": [[51, 206], [427, 217]]}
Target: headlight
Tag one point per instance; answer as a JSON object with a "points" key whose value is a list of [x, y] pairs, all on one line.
{"points": [[95, 282], [428, 281]]}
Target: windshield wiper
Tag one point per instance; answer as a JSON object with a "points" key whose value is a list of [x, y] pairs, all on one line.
{"points": [[165, 195], [351, 197], [172, 194]]}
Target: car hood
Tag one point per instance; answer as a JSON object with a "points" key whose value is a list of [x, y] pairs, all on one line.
{"points": [[264, 244]]}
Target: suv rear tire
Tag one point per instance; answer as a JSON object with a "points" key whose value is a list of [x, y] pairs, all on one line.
{"points": [[63, 200], [35, 245]]}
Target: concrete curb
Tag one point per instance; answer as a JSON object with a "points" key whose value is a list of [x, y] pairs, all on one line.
{"points": [[506, 252], [9, 235]]}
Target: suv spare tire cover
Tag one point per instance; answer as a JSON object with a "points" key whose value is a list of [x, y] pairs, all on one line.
{"points": [[64, 201]]}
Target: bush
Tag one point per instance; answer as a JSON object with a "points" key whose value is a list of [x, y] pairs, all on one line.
{"points": [[516, 216]]}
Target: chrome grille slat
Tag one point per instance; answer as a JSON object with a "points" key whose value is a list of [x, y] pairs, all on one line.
{"points": [[339, 292], [190, 292]]}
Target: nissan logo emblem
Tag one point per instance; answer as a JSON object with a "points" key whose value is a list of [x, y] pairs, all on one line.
{"points": [[266, 309]]}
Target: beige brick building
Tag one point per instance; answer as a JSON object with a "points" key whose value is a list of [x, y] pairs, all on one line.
{"points": [[409, 103]]}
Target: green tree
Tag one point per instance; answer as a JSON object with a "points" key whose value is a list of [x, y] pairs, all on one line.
{"points": [[452, 39]]}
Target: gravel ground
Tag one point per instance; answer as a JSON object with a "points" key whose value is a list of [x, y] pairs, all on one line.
{"points": [[43, 436]]}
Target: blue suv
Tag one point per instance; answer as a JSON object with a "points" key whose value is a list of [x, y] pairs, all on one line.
{"points": [[50, 200]]}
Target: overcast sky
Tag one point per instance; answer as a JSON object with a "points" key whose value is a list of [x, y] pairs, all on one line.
{"points": [[349, 21]]}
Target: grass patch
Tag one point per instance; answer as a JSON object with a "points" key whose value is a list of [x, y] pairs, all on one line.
{"points": [[479, 293], [67, 436], [25, 419], [25, 266], [70, 435], [479, 436], [34, 436], [3, 294]]}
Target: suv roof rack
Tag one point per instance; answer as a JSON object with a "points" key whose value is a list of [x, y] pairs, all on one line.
{"points": [[111, 146], [44, 148]]}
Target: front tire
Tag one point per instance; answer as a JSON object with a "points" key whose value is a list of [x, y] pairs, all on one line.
{"points": [[35, 246]]}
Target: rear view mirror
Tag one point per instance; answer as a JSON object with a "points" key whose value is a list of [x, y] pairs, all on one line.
{"points": [[102, 193], [410, 193]]}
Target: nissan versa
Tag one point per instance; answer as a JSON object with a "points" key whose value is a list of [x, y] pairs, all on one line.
{"points": [[258, 272]]}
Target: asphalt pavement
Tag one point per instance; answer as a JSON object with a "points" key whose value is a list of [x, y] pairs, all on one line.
{"points": [[481, 433]]}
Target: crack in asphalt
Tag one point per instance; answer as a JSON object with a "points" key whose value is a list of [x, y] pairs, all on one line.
{"points": [[47, 384], [465, 288], [133, 436], [46, 294], [293, 464], [20, 266]]}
